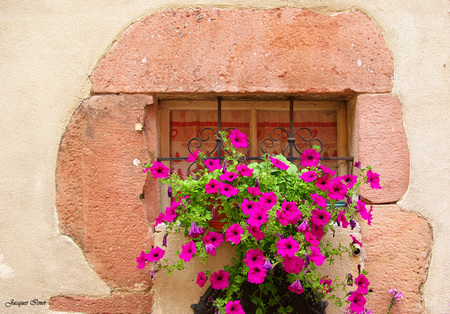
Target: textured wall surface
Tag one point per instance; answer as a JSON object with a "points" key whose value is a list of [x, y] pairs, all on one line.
{"points": [[48, 51]]}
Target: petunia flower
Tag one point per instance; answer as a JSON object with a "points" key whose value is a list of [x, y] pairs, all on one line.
{"points": [[323, 183], [352, 224], [145, 170], [212, 187], [292, 212], [316, 257], [233, 233], [159, 170], [187, 251], [238, 139], [310, 158], [193, 157], [244, 170], [326, 281], [165, 240], [341, 219], [349, 180], [170, 213], [319, 200], [355, 241], [293, 265], [141, 260], [201, 279], [253, 191], [159, 219], [296, 287], [227, 190], [317, 231], [308, 176], [210, 249], [213, 238], [219, 280], [267, 264], [268, 200], [278, 163], [311, 239], [303, 227], [256, 274], [254, 257], [327, 171], [357, 302], [396, 294], [234, 307], [248, 207], [155, 254], [374, 179], [212, 164], [196, 231], [363, 284], [257, 217], [287, 247], [362, 210], [337, 190], [256, 232], [228, 176], [320, 217]]}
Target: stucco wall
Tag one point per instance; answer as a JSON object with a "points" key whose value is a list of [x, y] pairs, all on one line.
{"points": [[48, 50]]}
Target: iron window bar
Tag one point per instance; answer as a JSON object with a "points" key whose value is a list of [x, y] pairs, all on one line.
{"points": [[275, 136]]}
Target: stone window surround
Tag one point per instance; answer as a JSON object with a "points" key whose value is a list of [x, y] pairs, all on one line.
{"points": [[122, 89]]}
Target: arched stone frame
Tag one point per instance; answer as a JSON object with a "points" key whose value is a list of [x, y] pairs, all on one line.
{"points": [[223, 52]]}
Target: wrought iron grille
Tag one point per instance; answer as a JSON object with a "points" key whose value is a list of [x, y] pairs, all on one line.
{"points": [[276, 135]]}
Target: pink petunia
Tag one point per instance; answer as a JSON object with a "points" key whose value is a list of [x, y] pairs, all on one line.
{"points": [[227, 190], [193, 157], [238, 139], [187, 251], [244, 170], [141, 260], [278, 163], [362, 210], [210, 249], [342, 219], [213, 238], [374, 179], [357, 302], [212, 187], [363, 284], [355, 241], [155, 254], [196, 231], [323, 183], [317, 231], [337, 190], [212, 164], [327, 171], [159, 170], [256, 274], [254, 257], [234, 307], [308, 176], [201, 279], [310, 158], [303, 227], [316, 257], [256, 232], [219, 280], [287, 247], [319, 200], [228, 176], [254, 191], [311, 239], [257, 217], [159, 219], [326, 281], [170, 213], [320, 217], [349, 180], [248, 207], [268, 200], [293, 265], [296, 287], [233, 233]]}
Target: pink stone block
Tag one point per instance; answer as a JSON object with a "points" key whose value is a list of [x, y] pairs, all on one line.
{"points": [[381, 142], [98, 186], [286, 50], [397, 251]]}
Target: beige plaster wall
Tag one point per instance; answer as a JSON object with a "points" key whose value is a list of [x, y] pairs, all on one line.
{"points": [[47, 51]]}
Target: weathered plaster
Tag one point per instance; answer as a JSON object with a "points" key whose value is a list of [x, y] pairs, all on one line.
{"points": [[48, 50]]}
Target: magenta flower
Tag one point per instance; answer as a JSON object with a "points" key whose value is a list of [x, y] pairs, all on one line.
{"points": [[323, 183], [233, 233], [219, 279], [303, 227], [337, 190], [310, 158], [254, 257], [248, 207], [267, 264], [296, 287], [327, 171], [256, 232], [293, 265], [287, 247], [362, 210], [253, 191], [278, 163], [268, 200], [311, 239], [256, 274], [212, 187], [228, 176], [234, 307], [349, 180], [317, 231], [244, 170], [213, 238], [159, 170], [308, 176], [357, 302], [319, 200], [145, 170], [326, 281], [159, 219], [155, 254], [187, 251], [374, 179], [227, 190], [212, 164], [316, 257], [320, 217], [396, 294], [210, 249], [193, 157], [282, 219], [342, 219], [257, 217], [141, 259], [355, 241], [170, 213], [363, 284], [201, 279], [196, 231], [238, 139]]}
